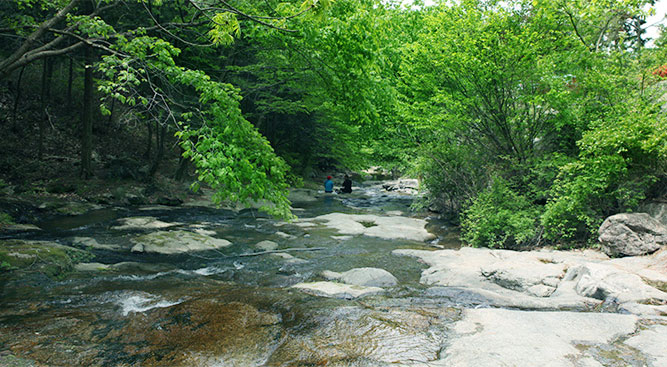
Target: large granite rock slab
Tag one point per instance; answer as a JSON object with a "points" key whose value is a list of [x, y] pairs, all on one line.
{"points": [[367, 277], [632, 234], [497, 337], [387, 227], [550, 279], [176, 242]]}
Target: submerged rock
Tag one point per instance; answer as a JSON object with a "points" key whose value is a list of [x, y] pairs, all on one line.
{"points": [[367, 277], [176, 242], [337, 290], [497, 337], [50, 258], [19, 227], [289, 259], [632, 234]]}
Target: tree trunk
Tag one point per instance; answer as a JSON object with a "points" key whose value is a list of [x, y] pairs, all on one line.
{"points": [[69, 83], [183, 164], [47, 71], [149, 141], [161, 131], [87, 116], [16, 101]]}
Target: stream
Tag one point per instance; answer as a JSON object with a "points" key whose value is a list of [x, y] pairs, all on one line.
{"points": [[223, 308]]}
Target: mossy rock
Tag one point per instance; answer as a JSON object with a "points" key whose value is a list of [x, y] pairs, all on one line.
{"points": [[76, 208], [49, 258]]}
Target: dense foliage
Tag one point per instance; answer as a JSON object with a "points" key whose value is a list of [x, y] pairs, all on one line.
{"points": [[527, 120]]}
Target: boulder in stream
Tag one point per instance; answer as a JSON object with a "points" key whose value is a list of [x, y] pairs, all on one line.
{"points": [[176, 242], [632, 234], [142, 223], [367, 277], [92, 243]]}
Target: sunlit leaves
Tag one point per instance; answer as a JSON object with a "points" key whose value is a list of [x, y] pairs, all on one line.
{"points": [[224, 27]]}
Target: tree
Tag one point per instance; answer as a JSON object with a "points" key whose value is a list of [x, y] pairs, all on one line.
{"points": [[138, 67]]}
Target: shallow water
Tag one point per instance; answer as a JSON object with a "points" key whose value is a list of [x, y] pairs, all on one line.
{"points": [[221, 308]]}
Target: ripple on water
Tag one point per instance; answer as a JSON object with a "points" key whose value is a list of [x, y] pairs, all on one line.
{"points": [[138, 302]]}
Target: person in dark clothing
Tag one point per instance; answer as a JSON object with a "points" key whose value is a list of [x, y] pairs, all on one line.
{"points": [[328, 185], [347, 185]]}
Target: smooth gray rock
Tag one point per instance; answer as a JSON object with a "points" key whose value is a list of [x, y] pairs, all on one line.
{"points": [[176, 242], [267, 245], [632, 234], [603, 281], [497, 337], [85, 267], [367, 277]]}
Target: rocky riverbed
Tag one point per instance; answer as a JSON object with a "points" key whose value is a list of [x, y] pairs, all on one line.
{"points": [[358, 280]]}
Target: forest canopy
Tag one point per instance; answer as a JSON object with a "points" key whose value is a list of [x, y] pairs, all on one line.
{"points": [[529, 121]]}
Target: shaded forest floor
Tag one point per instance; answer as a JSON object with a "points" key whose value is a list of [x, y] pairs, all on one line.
{"points": [[122, 158]]}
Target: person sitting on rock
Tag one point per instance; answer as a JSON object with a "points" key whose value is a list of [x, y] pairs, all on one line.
{"points": [[328, 185], [347, 185]]}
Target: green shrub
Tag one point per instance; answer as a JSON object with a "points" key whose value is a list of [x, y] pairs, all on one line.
{"points": [[6, 219], [623, 160], [500, 218]]}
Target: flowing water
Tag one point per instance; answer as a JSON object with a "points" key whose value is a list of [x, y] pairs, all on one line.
{"points": [[221, 308]]}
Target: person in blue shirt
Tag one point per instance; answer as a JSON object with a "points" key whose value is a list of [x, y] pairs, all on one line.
{"points": [[328, 185]]}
